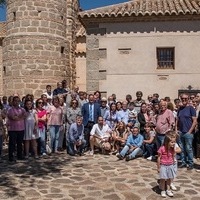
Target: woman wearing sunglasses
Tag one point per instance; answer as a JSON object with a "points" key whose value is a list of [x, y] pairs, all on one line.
{"points": [[42, 119]]}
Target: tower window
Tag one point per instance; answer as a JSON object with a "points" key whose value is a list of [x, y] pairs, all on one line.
{"points": [[14, 16], [4, 70], [62, 49]]}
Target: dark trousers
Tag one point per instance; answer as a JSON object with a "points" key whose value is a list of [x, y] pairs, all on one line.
{"points": [[15, 138], [80, 148], [1, 144], [149, 149], [87, 130]]}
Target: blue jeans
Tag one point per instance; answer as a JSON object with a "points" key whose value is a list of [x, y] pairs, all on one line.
{"points": [[186, 147], [1, 144], [80, 148], [136, 152], [149, 149], [54, 133], [42, 141], [159, 140]]}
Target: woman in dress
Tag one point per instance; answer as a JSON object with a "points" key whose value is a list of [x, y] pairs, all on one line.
{"points": [[31, 133], [110, 116]]}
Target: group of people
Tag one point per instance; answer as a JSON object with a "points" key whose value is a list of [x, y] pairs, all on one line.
{"points": [[86, 123]]}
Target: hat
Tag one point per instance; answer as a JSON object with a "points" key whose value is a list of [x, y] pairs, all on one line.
{"points": [[103, 99]]}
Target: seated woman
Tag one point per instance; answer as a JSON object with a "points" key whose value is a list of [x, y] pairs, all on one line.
{"points": [[149, 141], [120, 136]]}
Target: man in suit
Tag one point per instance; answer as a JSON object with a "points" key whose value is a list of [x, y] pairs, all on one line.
{"points": [[90, 112]]}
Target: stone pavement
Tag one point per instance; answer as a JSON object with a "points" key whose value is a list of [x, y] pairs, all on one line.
{"points": [[89, 178]]}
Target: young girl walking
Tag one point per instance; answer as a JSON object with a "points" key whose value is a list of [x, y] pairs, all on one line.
{"points": [[165, 164]]}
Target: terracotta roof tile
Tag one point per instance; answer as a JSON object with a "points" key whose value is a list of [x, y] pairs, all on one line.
{"points": [[2, 29], [146, 7]]}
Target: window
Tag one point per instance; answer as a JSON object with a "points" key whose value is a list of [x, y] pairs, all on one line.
{"points": [[165, 58], [62, 49], [14, 16]]}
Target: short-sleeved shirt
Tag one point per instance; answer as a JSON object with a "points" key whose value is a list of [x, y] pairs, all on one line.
{"points": [[100, 131], [150, 135], [185, 120], [16, 125], [167, 158], [55, 115]]}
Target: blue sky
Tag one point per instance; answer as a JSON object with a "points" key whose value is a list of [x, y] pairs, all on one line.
{"points": [[85, 5], [89, 4]]}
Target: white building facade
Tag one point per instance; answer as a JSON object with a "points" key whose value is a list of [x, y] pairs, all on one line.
{"points": [[140, 45]]}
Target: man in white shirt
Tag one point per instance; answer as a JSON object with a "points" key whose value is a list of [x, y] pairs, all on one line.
{"points": [[99, 136]]}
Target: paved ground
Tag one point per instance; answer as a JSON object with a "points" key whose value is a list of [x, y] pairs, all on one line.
{"points": [[89, 178]]}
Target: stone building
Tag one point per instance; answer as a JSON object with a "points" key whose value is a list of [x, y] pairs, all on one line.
{"points": [[39, 46], [81, 57], [2, 36], [147, 45]]}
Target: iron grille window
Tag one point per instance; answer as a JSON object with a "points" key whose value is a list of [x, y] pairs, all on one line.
{"points": [[165, 58]]}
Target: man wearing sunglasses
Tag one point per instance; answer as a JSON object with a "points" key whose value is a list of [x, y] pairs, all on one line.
{"points": [[186, 122]]}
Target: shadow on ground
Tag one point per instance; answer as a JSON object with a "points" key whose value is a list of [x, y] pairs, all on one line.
{"points": [[27, 171]]}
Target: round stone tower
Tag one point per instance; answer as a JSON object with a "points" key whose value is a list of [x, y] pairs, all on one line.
{"points": [[72, 24], [36, 50]]}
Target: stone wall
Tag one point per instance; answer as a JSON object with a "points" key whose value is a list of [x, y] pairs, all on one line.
{"points": [[36, 51], [1, 68], [72, 17], [95, 54]]}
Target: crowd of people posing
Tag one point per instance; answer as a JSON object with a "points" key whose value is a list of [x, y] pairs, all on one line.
{"points": [[84, 123]]}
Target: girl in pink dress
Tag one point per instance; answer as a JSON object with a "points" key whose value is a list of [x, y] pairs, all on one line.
{"points": [[165, 164]]}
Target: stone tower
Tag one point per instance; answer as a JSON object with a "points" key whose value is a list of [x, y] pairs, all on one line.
{"points": [[37, 50], [71, 30]]}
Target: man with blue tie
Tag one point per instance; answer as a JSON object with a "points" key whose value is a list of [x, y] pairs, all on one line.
{"points": [[90, 112]]}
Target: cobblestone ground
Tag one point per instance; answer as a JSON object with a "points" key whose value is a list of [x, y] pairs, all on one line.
{"points": [[89, 178]]}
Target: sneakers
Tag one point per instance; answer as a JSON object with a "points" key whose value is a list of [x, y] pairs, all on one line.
{"points": [[149, 158], [173, 187], [163, 194], [128, 158], [119, 156], [169, 193], [91, 153]]}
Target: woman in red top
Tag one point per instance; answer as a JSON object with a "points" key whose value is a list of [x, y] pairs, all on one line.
{"points": [[42, 119]]}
